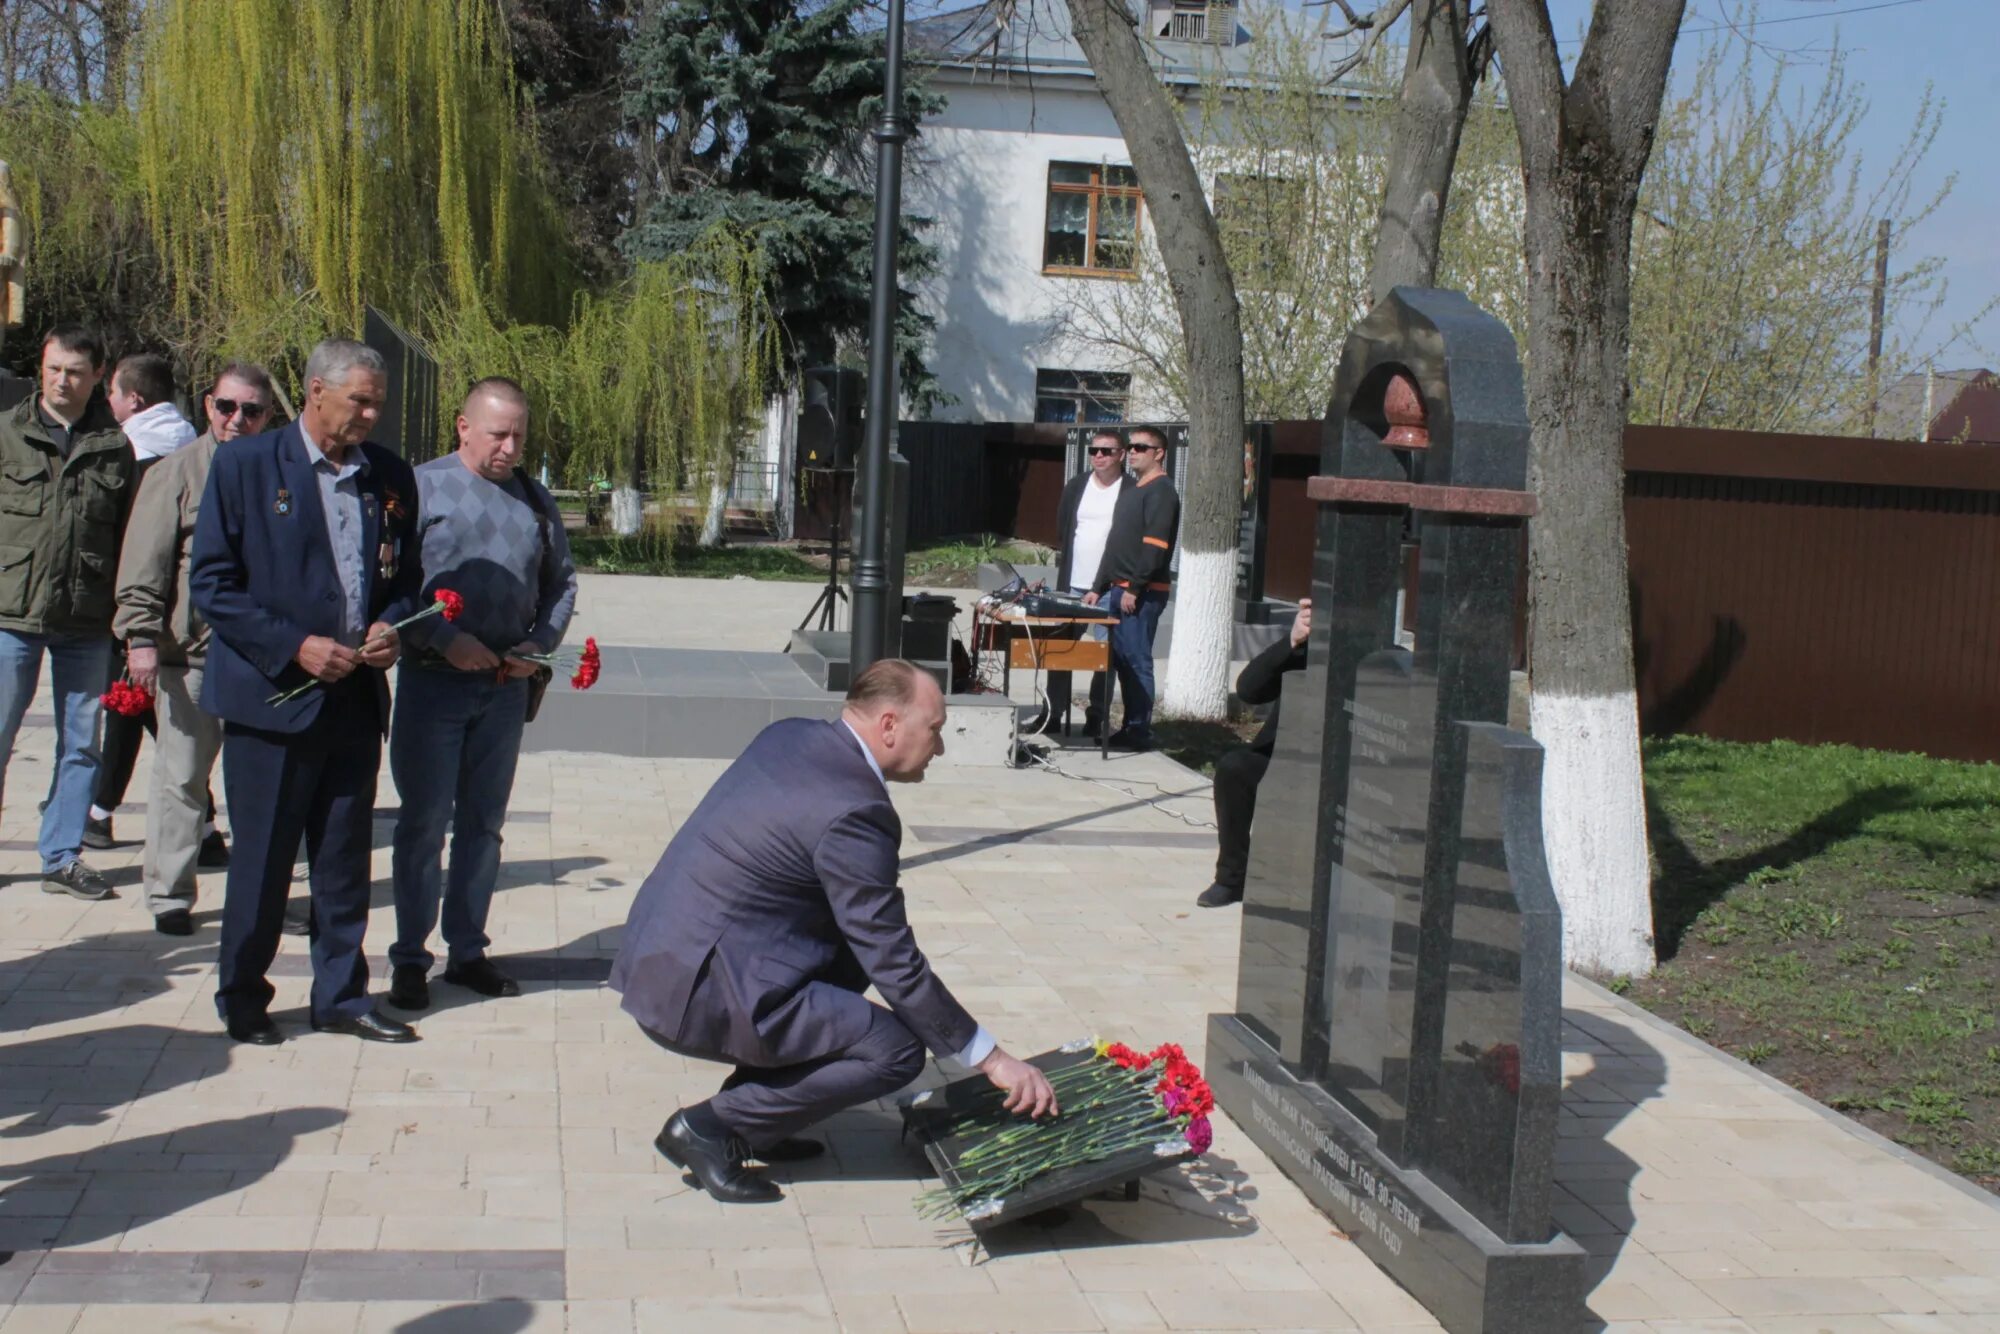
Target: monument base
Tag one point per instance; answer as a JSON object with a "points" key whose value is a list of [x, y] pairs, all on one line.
{"points": [[1470, 1279]]}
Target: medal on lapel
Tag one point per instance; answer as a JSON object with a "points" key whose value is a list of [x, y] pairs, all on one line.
{"points": [[284, 504]]}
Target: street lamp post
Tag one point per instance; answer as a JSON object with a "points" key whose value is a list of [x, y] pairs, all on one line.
{"points": [[871, 572]]}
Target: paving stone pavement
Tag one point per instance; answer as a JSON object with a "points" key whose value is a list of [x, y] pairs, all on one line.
{"points": [[499, 1176]]}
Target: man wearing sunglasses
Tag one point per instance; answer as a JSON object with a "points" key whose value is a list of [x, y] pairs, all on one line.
{"points": [[167, 643], [1084, 519], [1137, 578]]}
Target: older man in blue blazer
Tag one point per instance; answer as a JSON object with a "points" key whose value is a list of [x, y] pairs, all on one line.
{"points": [[773, 909], [304, 556]]}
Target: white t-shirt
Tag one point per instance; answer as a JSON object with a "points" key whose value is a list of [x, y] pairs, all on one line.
{"points": [[1093, 526]]}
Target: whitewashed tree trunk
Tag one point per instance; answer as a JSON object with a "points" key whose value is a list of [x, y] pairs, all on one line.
{"points": [[1584, 147], [1204, 293], [715, 518], [1197, 684], [628, 511]]}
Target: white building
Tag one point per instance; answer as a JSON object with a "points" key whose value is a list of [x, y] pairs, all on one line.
{"points": [[1030, 188]]}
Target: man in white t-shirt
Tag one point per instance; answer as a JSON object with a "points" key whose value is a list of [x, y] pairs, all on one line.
{"points": [[1084, 520]]}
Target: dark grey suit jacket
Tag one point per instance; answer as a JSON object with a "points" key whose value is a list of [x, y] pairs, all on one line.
{"points": [[775, 906]]}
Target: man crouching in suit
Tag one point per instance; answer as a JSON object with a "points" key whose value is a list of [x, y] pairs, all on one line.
{"points": [[774, 907]]}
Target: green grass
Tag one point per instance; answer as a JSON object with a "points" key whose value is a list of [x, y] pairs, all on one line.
{"points": [[1832, 915], [649, 553]]}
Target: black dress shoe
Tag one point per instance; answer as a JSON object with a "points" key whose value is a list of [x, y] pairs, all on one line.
{"points": [[1219, 895], [789, 1151], [174, 922], [1127, 739], [370, 1027], [481, 976], [409, 987], [214, 853], [716, 1163], [258, 1032], [97, 833], [298, 918]]}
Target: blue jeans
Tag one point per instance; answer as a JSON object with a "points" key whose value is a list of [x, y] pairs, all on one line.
{"points": [[452, 750], [1132, 657], [80, 668]]}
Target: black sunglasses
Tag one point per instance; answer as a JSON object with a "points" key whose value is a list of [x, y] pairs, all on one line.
{"points": [[229, 407], [1137, 448], [1098, 449]]}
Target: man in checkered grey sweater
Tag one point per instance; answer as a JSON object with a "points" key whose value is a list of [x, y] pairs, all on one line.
{"points": [[494, 537]]}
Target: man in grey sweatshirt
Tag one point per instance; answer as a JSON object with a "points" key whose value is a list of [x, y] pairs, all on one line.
{"points": [[493, 536]]}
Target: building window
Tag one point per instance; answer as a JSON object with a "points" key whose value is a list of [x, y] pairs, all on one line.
{"points": [[1093, 224], [1081, 396], [1257, 215]]}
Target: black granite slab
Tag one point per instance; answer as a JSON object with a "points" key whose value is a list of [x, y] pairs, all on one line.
{"points": [[1473, 1281]]}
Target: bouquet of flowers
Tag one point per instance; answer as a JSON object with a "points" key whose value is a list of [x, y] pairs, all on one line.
{"points": [[583, 668], [127, 697], [1116, 1100], [443, 603]]}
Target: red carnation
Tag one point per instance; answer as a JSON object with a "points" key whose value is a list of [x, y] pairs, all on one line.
{"points": [[587, 667], [449, 603], [126, 698], [1126, 1057]]}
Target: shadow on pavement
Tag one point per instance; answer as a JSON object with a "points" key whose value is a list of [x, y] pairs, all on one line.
{"points": [[503, 1316]]}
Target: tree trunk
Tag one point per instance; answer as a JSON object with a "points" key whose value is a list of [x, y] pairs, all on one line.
{"points": [[1583, 152], [1430, 119], [1197, 684]]}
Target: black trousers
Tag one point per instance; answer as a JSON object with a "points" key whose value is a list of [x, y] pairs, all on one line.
{"points": [[120, 753], [767, 1104], [319, 784], [1237, 775]]}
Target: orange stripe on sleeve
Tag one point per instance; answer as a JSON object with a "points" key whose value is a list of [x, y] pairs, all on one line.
{"points": [[1161, 543]]}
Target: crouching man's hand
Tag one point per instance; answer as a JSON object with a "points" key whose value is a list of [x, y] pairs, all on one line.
{"points": [[1026, 1087]]}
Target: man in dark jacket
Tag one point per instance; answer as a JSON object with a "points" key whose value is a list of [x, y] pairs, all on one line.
{"points": [[1083, 522], [305, 557], [65, 487], [1240, 770], [1138, 576], [772, 910]]}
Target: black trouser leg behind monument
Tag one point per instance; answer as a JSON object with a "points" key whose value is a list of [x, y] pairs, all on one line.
{"points": [[1237, 775]]}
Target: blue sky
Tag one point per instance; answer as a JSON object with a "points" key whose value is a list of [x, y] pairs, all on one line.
{"points": [[1893, 49]]}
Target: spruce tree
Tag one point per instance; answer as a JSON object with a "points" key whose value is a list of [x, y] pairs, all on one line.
{"points": [[757, 112]]}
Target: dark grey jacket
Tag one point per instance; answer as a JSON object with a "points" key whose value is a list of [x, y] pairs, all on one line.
{"points": [[775, 906]]}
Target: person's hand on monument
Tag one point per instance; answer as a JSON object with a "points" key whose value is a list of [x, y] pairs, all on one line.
{"points": [[1026, 1087], [1090, 599], [1302, 624], [142, 665], [469, 655], [381, 646], [1127, 603], [326, 660]]}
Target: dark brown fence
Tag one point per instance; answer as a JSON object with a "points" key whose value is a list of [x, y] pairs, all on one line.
{"points": [[1816, 589]]}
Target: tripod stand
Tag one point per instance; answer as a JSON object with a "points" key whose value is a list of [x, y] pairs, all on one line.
{"points": [[827, 606]]}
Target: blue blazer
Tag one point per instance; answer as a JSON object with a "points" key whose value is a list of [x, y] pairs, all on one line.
{"points": [[775, 906], [262, 573]]}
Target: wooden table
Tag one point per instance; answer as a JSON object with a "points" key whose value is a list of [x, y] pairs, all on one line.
{"points": [[1044, 643]]}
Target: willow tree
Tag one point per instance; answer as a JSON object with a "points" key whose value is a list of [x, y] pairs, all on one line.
{"points": [[307, 159], [669, 370]]}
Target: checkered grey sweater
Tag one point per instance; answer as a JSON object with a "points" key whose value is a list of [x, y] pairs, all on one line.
{"points": [[481, 540]]}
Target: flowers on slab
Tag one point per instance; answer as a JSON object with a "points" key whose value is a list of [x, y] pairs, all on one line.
{"points": [[443, 603], [127, 697], [1116, 1100]]}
